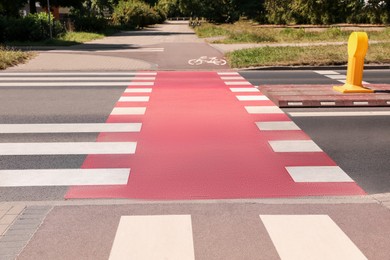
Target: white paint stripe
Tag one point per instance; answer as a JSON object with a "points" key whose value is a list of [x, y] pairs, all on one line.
{"points": [[228, 73], [78, 74], [345, 81], [154, 237], [263, 110], [63, 177], [294, 146], [360, 103], [141, 83], [29, 79], [326, 72], [244, 90], [128, 111], [67, 148], [138, 90], [277, 126], [237, 83], [252, 98], [328, 103], [388, 102], [295, 103], [69, 128], [134, 99], [65, 84], [319, 114], [317, 237], [337, 76], [232, 78], [318, 174]]}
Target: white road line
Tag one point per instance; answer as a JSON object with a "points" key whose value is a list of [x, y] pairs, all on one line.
{"points": [[138, 90], [66, 84], [244, 90], [114, 79], [263, 110], [63, 177], [336, 76], [228, 73], [154, 237], [140, 83], [134, 99], [318, 174], [297, 237], [346, 114], [328, 103], [298, 146], [69, 128], [128, 111], [252, 98], [326, 72], [360, 103], [277, 126], [90, 74], [295, 103], [67, 148], [232, 78], [237, 83]]}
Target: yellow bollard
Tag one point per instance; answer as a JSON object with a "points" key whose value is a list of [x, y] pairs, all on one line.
{"points": [[357, 49]]}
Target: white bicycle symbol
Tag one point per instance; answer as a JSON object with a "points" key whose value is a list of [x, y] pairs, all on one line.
{"points": [[205, 59]]}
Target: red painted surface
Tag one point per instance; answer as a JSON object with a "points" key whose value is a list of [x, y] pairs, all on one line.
{"points": [[199, 142]]}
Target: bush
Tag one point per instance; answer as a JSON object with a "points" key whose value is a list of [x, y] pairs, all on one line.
{"points": [[88, 23], [33, 27], [134, 14]]}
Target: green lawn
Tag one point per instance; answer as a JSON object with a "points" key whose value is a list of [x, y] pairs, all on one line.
{"points": [[301, 56]]}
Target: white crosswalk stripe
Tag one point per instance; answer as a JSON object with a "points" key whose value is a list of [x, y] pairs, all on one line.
{"points": [[73, 176]]}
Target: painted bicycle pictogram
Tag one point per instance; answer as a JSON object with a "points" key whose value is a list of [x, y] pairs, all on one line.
{"points": [[205, 59]]}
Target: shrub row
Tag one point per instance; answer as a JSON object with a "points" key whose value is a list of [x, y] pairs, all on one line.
{"points": [[33, 27], [135, 14]]}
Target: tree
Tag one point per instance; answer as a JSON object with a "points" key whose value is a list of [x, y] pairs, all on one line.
{"points": [[11, 7]]}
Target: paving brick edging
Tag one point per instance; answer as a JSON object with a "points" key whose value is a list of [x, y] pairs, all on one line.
{"points": [[18, 225]]}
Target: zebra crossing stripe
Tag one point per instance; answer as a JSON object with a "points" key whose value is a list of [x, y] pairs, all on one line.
{"points": [[67, 148], [294, 146], [237, 83], [134, 99], [93, 79], [63, 177], [138, 90], [128, 111], [318, 174], [154, 237], [69, 128], [252, 98], [244, 90], [277, 126], [309, 237], [263, 110]]}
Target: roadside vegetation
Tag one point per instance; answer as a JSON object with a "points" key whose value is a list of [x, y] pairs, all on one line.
{"points": [[304, 56], [10, 57], [247, 32]]}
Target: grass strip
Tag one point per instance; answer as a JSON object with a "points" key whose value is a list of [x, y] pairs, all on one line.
{"points": [[245, 32], [303, 56], [10, 58]]}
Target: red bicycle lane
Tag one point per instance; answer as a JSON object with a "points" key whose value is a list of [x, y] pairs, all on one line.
{"points": [[200, 140]]}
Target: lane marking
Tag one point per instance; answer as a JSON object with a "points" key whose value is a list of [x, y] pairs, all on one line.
{"points": [[346, 114], [233, 78], [244, 90], [309, 237], [277, 126], [154, 237], [228, 73], [70, 84], [141, 83], [138, 90], [263, 110], [360, 103], [337, 76], [78, 74], [134, 99], [295, 103], [29, 79], [63, 177], [252, 98], [328, 103], [128, 111], [294, 146], [69, 128], [326, 72], [318, 174], [237, 83], [67, 148]]}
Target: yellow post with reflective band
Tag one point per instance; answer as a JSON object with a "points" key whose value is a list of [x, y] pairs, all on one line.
{"points": [[357, 49]]}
